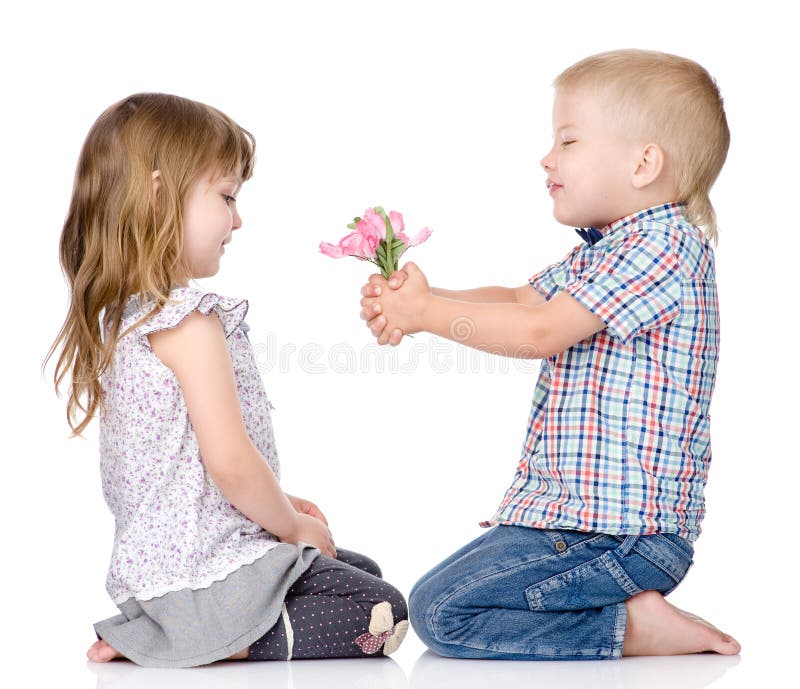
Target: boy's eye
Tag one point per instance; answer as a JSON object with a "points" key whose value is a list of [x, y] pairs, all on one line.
{"points": [[229, 199]]}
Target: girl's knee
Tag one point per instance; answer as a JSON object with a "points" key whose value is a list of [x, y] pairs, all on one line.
{"points": [[387, 592], [362, 562]]}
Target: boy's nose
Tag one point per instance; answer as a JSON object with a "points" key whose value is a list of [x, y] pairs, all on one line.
{"points": [[237, 221]]}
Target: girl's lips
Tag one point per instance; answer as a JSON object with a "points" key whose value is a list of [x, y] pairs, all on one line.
{"points": [[553, 188]]}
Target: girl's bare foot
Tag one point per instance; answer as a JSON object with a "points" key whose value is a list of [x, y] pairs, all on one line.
{"points": [[657, 628], [101, 652]]}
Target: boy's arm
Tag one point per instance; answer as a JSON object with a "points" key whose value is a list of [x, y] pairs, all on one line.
{"points": [[525, 294], [514, 330], [511, 329]]}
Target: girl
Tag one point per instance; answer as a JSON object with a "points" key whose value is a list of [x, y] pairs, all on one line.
{"points": [[211, 559]]}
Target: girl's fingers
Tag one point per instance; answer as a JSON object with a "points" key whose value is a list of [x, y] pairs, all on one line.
{"points": [[395, 337]]}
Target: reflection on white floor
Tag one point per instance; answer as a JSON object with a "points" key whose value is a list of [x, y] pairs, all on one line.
{"points": [[428, 672]]}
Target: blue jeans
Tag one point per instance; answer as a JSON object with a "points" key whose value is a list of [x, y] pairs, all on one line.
{"points": [[518, 593]]}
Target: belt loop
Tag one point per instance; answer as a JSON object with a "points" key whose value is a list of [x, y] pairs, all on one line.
{"points": [[627, 545]]}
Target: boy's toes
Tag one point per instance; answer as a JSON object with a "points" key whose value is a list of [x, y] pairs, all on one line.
{"points": [[724, 644]]}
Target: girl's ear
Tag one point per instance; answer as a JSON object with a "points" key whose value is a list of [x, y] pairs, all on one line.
{"points": [[156, 186], [651, 165]]}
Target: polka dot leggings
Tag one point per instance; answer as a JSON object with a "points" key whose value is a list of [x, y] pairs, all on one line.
{"points": [[337, 609]]}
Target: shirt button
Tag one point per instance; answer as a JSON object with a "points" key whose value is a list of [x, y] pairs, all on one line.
{"points": [[561, 546]]}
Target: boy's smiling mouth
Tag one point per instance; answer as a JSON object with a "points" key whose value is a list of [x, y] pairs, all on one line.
{"points": [[552, 186]]}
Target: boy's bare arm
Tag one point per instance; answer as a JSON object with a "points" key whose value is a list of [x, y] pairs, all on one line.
{"points": [[525, 294], [511, 329], [515, 330]]}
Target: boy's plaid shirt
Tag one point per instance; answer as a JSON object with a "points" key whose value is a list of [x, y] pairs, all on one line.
{"points": [[618, 437]]}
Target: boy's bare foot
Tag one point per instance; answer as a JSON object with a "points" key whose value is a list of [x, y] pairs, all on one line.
{"points": [[657, 628], [101, 652]]}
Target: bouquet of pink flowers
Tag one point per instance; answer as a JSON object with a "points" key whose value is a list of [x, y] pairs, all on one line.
{"points": [[377, 238]]}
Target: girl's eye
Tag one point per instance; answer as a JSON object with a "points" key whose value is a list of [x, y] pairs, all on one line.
{"points": [[567, 143], [229, 199]]}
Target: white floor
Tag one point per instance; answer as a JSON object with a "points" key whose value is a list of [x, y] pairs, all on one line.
{"points": [[414, 667]]}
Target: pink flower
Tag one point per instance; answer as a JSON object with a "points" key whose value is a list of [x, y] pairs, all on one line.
{"points": [[420, 237], [331, 250], [369, 239], [396, 219], [358, 244], [372, 225], [354, 244]]}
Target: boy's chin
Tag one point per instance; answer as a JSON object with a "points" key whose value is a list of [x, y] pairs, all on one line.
{"points": [[571, 220], [574, 220]]}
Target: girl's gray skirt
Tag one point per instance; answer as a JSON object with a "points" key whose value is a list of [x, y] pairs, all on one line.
{"points": [[194, 627]]}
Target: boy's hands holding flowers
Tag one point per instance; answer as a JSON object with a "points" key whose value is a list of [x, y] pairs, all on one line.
{"points": [[396, 307]]}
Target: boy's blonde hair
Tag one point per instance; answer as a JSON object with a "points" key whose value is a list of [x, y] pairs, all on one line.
{"points": [[668, 100], [119, 237]]}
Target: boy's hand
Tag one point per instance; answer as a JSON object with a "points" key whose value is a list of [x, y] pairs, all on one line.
{"points": [[374, 288], [391, 310], [307, 507]]}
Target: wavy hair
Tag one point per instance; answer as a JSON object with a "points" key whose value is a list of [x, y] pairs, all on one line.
{"points": [[673, 101], [119, 238]]}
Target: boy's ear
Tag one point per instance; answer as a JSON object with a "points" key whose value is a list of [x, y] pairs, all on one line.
{"points": [[650, 167]]}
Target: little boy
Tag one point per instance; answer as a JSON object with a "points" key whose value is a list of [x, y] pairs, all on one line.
{"points": [[607, 500]]}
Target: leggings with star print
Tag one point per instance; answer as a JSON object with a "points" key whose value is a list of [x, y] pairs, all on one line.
{"points": [[338, 608]]}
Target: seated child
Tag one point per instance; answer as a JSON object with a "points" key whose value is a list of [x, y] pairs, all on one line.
{"points": [[598, 524], [212, 560]]}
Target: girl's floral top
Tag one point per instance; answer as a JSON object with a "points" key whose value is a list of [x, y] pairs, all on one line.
{"points": [[174, 527]]}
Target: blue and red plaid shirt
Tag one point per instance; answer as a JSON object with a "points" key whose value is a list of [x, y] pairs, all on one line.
{"points": [[618, 438]]}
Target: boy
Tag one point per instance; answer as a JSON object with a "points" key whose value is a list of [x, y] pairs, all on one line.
{"points": [[599, 522]]}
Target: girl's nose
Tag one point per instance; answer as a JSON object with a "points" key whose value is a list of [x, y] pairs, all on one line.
{"points": [[547, 161]]}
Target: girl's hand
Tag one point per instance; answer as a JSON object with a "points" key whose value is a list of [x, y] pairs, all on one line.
{"points": [[393, 312], [307, 507], [312, 531]]}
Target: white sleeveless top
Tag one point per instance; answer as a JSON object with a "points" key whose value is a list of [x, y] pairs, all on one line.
{"points": [[174, 527]]}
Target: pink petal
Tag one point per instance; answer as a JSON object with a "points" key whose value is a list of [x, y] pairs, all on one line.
{"points": [[420, 237], [396, 219], [357, 244], [331, 250], [372, 224]]}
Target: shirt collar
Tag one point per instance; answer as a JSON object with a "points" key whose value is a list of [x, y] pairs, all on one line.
{"points": [[666, 213]]}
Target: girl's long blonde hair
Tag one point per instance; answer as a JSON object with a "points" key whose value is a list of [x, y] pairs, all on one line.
{"points": [[119, 238]]}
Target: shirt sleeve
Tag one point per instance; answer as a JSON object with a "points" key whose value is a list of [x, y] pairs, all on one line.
{"points": [[633, 287], [229, 310], [552, 279]]}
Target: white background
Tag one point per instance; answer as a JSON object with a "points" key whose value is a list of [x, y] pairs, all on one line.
{"points": [[442, 111]]}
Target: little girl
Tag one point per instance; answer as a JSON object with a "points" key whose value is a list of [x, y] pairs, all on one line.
{"points": [[211, 559]]}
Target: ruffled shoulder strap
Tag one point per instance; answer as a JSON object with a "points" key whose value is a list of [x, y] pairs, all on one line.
{"points": [[183, 300]]}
